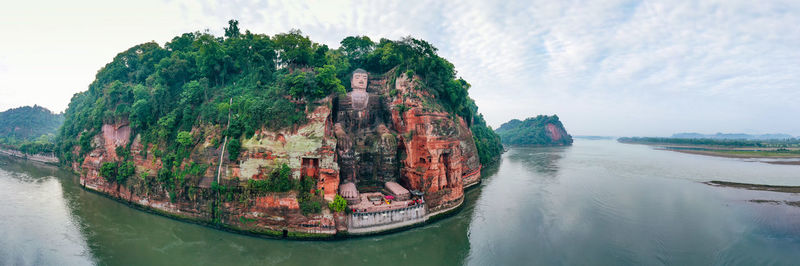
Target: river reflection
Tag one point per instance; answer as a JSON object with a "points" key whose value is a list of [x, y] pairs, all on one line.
{"points": [[605, 203], [37, 227], [541, 160], [598, 202]]}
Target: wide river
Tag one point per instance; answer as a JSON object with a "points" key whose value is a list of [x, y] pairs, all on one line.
{"points": [[598, 202]]}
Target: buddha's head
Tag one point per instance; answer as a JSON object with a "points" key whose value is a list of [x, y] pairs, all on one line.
{"points": [[359, 80]]}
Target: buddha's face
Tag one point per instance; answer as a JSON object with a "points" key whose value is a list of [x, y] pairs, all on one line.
{"points": [[359, 81]]}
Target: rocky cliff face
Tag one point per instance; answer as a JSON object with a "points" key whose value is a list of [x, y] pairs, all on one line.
{"points": [[391, 131], [439, 152], [232, 206], [556, 133]]}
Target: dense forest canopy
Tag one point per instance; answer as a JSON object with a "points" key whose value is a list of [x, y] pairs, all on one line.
{"points": [[259, 80], [532, 131], [30, 129]]}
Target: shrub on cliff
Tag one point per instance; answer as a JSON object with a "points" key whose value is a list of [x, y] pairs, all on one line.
{"points": [[184, 138], [234, 145], [309, 203], [109, 171], [117, 171], [312, 86], [338, 204], [279, 180], [124, 171]]}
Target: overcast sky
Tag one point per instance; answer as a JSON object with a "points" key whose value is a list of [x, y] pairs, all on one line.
{"points": [[620, 68]]}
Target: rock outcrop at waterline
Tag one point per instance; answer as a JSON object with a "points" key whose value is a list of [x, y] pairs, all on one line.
{"points": [[384, 132]]}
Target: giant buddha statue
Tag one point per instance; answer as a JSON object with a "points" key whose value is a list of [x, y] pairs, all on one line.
{"points": [[359, 97]]}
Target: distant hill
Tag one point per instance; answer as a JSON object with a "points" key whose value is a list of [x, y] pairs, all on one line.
{"points": [[30, 129], [730, 136], [535, 131]]}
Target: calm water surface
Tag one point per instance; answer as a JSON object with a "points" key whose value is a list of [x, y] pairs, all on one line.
{"points": [[597, 203]]}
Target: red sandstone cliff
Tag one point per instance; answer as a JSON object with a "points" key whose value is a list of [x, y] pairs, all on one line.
{"points": [[440, 148], [401, 137]]}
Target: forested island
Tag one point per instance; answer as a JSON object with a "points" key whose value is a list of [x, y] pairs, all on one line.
{"points": [[279, 135], [541, 130], [29, 131]]}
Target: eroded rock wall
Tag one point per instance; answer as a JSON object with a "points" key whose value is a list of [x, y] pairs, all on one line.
{"points": [[233, 207], [309, 150]]}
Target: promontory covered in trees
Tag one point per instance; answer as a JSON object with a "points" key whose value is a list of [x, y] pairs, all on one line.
{"points": [[535, 131], [29, 129], [280, 135]]}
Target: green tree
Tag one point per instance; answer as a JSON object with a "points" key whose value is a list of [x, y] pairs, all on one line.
{"points": [[327, 82], [293, 48], [108, 170], [232, 30], [184, 138], [338, 204], [212, 61], [356, 48], [124, 171], [302, 84], [233, 148]]}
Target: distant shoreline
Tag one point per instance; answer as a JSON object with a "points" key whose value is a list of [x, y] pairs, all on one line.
{"points": [[740, 154], [730, 152], [48, 159]]}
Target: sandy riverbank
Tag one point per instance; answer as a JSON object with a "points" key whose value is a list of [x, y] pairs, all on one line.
{"points": [[784, 189], [737, 153], [759, 187]]}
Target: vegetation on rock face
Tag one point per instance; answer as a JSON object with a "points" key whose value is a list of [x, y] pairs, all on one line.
{"points": [[486, 141], [29, 129], [117, 171], [533, 131], [279, 180], [174, 97], [338, 204]]}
